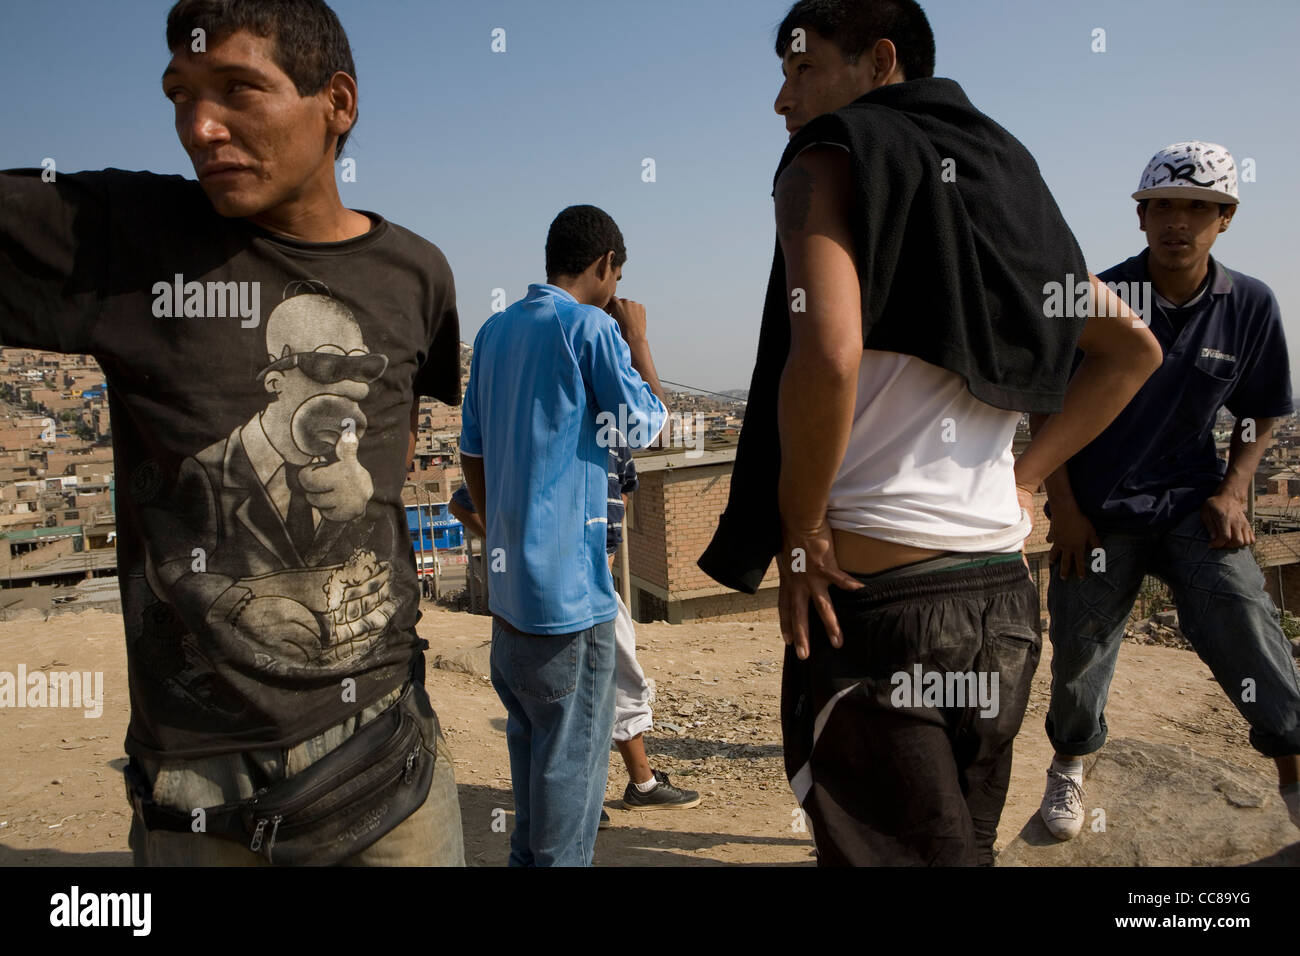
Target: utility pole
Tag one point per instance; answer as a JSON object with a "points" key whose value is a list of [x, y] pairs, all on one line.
{"points": [[625, 582], [419, 576], [437, 566]]}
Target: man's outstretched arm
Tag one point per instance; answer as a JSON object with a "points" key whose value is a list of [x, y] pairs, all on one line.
{"points": [[54, 241], [819, 383]]}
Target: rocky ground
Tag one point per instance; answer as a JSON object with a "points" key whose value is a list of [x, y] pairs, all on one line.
{"points": [[1178, 765]]}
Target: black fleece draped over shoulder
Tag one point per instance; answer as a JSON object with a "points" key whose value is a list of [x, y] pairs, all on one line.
{"points": [[957, 240]]}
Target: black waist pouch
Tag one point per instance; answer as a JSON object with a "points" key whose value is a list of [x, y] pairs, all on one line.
{"points": [[335, 808]]}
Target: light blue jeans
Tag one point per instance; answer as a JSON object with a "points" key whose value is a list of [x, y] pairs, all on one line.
{"points": [[559, 696], [1223, 610]]}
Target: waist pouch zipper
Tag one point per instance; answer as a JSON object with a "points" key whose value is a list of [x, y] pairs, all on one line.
{"points": [[302, 810]]}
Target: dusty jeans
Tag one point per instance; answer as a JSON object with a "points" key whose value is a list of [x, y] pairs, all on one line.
{"points": [[558, 691], [429, 837], [1223, 610]]}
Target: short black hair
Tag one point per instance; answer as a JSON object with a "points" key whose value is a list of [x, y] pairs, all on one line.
{"points": [[579, 236], [857, 25], [1223, 206], [308, 40]]}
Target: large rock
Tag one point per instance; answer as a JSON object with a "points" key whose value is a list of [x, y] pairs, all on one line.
{"points": [[477, 661], [1167, 806]]}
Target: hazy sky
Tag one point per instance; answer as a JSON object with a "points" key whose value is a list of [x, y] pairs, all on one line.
{"points": [[477, 151]]}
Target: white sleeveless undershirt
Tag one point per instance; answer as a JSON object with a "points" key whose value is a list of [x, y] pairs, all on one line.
{"points": [[928, 464]]}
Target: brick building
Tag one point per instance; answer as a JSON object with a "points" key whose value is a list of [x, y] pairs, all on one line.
{"points": [[1284, 483], [1278, 556]]}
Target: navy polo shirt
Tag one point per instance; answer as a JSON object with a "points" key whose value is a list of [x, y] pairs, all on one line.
{"points": [[1156, 463]]}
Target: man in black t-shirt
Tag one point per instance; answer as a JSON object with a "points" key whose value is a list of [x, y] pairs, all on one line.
{"points": [[265, 348]]}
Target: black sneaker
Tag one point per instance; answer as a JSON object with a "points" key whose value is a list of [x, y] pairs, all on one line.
{"points": [[604, 820], [664, 796]]}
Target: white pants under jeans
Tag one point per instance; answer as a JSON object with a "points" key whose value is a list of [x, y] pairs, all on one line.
{"points": [[632, 692]]}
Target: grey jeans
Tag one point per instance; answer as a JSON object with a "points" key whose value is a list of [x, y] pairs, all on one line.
{"points": [[1223, 610], [429, 837]]}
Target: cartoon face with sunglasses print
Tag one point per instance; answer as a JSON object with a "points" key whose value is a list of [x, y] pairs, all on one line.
{"points": [[295, 577], [319, 370]]}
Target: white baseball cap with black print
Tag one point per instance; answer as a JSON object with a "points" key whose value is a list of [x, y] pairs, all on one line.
{"points": [[1192, 170]]}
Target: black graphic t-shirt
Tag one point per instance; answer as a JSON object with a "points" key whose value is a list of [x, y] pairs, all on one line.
{"points": [[260, 390]]}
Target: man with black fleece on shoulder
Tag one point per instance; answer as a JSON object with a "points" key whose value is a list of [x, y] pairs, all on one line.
{"points": [[904, 334]]}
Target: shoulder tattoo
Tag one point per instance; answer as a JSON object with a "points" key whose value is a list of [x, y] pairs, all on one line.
{"points": [[794, 198]]}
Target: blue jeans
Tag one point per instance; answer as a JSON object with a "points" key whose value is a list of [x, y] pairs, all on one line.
{"points": [[1223, 611], [558, 691]]}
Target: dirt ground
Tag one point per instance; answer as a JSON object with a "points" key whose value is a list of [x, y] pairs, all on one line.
{"points": [[717, 731]]}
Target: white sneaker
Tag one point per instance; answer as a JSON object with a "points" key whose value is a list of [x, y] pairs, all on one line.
{"points": [[1062, 808]]}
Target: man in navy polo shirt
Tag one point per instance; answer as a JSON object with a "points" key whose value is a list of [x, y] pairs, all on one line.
{"points": [[536, 460], [1151, 496]]}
